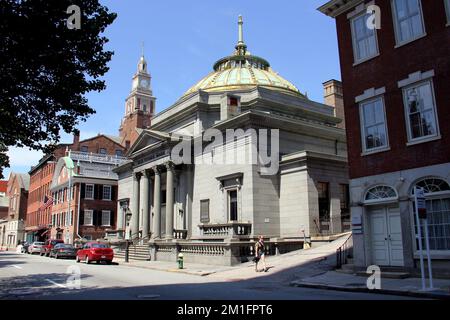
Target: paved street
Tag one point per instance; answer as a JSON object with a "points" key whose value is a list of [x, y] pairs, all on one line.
{"points": [[35, 277]]}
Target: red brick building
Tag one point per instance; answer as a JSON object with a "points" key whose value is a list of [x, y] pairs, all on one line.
{"points": [[395, 66], [4, 202], [139, 108], [84, 193], [39, 215], [17, 193]]}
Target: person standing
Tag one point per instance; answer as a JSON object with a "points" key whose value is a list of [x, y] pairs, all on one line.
{"points": [[260, 254]]}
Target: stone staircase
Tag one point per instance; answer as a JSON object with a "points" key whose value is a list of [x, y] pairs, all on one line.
{"points": [[386, 272], [137, 252]]}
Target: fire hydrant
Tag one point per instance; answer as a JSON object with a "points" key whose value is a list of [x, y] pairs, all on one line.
{"points": [[180, 261]]}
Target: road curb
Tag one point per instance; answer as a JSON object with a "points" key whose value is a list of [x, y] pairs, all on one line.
{"points": [[201, 274], [429, 295]]}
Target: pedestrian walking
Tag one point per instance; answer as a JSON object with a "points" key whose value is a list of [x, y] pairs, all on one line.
{"points": [[260, 254]]}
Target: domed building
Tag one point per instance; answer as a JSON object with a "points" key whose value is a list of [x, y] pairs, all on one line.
{"points": [[242, 153]]}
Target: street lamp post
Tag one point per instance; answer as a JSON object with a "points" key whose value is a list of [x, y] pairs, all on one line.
{"points": [[127, 243]]}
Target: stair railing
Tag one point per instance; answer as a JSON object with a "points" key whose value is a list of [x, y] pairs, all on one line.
{"points": [[343, 252]]}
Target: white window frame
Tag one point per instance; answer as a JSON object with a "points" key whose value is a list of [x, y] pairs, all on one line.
{"points": [[437, 135], [109, 218], [91, 212], [110, 192], [447, 11], [85, 191], [365, 150], [354, 42], [398, 42], [440, 195]]}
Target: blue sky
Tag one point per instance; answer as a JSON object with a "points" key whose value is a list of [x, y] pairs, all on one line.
{"points": [[183, 39]]}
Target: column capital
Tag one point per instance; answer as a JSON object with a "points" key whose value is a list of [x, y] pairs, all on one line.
{"points": [[146, 173], [156, 170], [169, 165], [136, 175]]}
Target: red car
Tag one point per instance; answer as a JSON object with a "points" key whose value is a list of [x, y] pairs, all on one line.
{"points": [[48, 246], [95, 251]]}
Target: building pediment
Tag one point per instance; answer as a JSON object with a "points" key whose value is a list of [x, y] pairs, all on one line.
{"points": [[152, 139]]}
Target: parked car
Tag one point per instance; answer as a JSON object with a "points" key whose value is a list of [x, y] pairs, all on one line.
{"points": [[24, 248], [62, 250], [35, 247], [49, 244], [95, 251]]}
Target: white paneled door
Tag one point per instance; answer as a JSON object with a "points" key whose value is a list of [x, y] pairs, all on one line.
{"points": [[386, 236]]}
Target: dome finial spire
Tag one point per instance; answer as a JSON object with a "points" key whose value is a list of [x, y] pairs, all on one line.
{"points": [[241, 31], [142, 49], [241, 47]]}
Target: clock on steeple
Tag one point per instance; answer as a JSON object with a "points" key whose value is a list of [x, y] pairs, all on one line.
{"points": [[139, 105]]}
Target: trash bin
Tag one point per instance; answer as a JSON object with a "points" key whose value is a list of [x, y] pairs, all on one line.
{"points": [[180, 261]]}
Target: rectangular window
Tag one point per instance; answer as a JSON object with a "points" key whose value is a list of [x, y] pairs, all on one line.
{"points": [[106, 192], [373, 125], [447, 10], [88, 217], [364, 39], [233, 205], [408, 20], [438, 218], [89, 191], [119, 153], [344, 196], [420, 111], [204, 211], [324, 201], [106, 218], [102, 151], [84, 149]]}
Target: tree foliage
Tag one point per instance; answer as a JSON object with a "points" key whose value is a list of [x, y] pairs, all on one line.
{"points": [[46, 69]]}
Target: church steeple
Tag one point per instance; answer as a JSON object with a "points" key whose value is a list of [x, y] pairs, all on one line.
{"points": [[139, 105]]}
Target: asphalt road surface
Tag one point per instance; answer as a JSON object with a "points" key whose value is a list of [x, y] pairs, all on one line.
{"points": [[34, 277]]}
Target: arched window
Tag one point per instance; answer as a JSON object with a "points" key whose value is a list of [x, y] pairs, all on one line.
{"points": [[437, 192], [380, 194], [432, 185]]}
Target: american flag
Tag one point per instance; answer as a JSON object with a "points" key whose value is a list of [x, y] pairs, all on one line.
{"points": [[48, 201]]}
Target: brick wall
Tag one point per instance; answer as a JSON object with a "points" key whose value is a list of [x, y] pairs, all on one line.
{"points": [[392, 65]]}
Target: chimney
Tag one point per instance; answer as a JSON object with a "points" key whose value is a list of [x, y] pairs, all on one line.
{"points": [[76, 140], [333, 96]]}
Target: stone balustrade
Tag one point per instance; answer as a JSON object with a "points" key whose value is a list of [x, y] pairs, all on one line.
{"points": [[226, 230], [180, 234]]}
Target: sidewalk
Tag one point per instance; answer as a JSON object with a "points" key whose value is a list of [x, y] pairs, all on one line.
{"points": [[282, 268], [188, 268], [333, 280]]}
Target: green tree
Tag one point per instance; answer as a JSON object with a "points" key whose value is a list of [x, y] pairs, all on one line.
{"points": [[47, 68]]}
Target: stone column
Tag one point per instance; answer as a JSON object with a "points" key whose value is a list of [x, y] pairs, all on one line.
{"points": [[169, 201], [120, 217], [188, 213], [145, 205], [135, 207], [157, 204], [335, 209]]}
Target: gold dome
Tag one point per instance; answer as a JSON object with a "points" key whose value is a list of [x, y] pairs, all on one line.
{"points": [[241, 71]]}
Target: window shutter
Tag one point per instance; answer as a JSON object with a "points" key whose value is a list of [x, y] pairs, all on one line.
{"points": [[95, 217], [96, 192], [82, 191], [100, 192], [111, 218], [113, 192], [81, 217]]}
